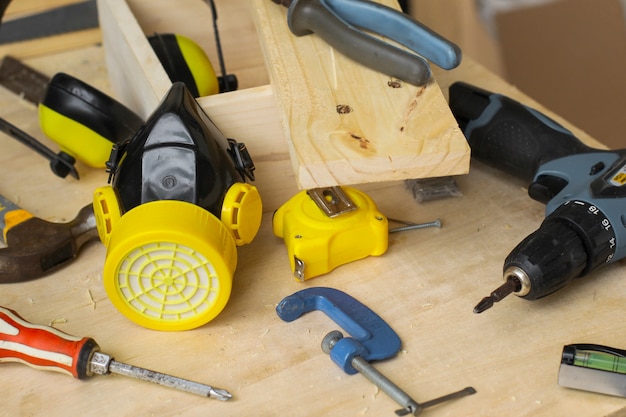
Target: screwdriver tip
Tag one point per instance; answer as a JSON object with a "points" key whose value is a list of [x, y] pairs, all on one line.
{"points": [[220, 394]]}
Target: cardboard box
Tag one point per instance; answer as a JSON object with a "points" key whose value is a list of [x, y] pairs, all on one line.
{"points": [[570, 55]]}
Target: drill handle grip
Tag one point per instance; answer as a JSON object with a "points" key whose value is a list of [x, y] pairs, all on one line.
{"points": [[509, 135]]}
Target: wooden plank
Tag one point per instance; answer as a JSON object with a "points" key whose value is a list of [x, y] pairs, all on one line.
{"points": [[51, 44], [138, 79], [47, 45], [391, 134], [249, 115], [24, 7], [387, 134]]}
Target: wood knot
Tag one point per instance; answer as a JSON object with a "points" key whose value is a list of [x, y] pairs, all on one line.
{"points": [[343, 109], [363, 143]]}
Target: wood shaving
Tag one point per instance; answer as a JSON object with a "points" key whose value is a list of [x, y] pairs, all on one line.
{"points": [[58, 321], [93, 302]]}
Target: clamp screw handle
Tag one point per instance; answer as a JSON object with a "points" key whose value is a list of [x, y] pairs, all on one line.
{"points": [[409, 406]]}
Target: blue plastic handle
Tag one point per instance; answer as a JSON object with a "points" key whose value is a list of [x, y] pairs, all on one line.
{"points": [[338, 22]]}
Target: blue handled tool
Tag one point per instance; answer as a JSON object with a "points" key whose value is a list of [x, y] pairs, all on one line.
{"points": [[339, 23], [371, 339]]}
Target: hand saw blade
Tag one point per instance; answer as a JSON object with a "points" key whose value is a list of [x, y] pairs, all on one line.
{"points": [[56, 21], [23, 80]]}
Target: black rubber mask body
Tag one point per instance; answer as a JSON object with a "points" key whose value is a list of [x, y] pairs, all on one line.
{"points": [[179, 154]]}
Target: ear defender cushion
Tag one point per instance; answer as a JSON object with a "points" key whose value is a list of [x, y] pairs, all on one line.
{"points": [[84, 121]]}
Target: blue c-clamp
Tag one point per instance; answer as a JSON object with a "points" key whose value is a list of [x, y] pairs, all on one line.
{"points": [[370, 339]]}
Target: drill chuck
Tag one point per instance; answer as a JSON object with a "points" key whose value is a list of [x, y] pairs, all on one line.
{"points": [[573, 240], [546, 260]]}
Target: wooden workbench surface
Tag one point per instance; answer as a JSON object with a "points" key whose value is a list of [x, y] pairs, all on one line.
{"points": [[424, 287]]}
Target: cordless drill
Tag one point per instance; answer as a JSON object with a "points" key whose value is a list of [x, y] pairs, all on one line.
{"points": [[584, 190]]}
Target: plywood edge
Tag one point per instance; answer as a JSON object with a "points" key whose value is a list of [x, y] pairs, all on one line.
{"points": [[136, 75]]}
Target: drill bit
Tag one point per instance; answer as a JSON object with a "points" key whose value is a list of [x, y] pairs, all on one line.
{"points": [[512, 284]]}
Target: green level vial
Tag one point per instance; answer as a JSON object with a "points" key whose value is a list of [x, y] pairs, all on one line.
{"points": [[594, 368]]}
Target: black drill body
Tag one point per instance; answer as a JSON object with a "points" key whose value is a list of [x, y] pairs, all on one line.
{"points": [[584, 190]]}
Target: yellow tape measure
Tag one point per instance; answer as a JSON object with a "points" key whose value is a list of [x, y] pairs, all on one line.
{"points": [[328, 227]]}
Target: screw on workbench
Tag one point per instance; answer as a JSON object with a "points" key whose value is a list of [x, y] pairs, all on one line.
{"points": [[412, 226], [409, 406]]}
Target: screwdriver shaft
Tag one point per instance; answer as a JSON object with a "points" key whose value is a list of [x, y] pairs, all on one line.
{"points": [[28, 140], [103, 364], [168, 381]]}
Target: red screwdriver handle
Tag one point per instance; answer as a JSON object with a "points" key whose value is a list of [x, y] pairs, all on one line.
{"points": [[43, 347]]}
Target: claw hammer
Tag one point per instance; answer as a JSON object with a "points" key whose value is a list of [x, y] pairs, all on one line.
{"points": [[35, 247]]}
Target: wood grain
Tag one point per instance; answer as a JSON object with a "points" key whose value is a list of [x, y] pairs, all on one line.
{"points": [[388, 134], [424, 286], [348, 124]]}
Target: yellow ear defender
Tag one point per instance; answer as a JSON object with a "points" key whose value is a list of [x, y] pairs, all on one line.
{"points": [[86, 122], [183, 60]]}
